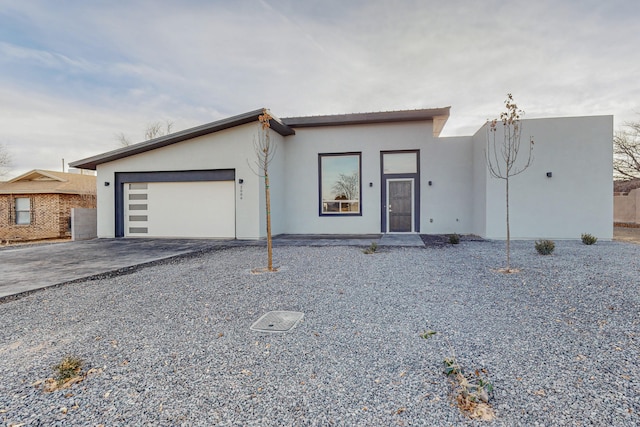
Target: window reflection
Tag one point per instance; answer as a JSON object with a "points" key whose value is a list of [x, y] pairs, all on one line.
{"points": [[340, 183]]}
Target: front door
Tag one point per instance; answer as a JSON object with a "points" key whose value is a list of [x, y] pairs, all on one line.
{"points": [[400, 205]]}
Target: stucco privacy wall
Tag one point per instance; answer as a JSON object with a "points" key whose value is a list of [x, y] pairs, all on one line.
{"points": [[83, 223], [446, 162], [577, 199], [225, 149], [627, 207]]}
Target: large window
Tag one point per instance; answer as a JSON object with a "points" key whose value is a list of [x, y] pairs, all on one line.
{"points": [[340, 184], [23, 211]]}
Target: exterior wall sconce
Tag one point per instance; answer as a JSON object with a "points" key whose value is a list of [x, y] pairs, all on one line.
{"points": [[549, 174], [430, 183], [371, 184], [240, 181], [107, 183]]}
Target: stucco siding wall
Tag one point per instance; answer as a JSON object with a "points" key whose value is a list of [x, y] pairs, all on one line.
{"points": [[227, 149], [576, 199], [278, 188], [479, 183], [445, 161], [447, 203]]}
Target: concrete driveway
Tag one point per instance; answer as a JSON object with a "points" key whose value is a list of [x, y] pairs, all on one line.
{"points": [[26, 268]]}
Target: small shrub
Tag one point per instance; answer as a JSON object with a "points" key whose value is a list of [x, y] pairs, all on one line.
{"points": [[545, 247], [427, 334], [454, 239], [68, 368], [588, 239], [371, 249]]}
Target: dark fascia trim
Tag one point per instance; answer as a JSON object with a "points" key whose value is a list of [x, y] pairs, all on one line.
{"points": [[91, 162], [367, 118]]}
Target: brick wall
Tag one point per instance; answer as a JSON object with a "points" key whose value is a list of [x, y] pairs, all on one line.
{"points": [[50, 216]]}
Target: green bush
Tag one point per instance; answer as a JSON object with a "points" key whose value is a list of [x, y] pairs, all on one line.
{"points": [[545, 247], [454, 239], [588, 239], [371, 249]]}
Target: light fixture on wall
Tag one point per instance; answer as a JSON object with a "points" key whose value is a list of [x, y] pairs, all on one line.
{"points": [[371, 184], [430, 183], [240, 181], [107, 183], [549, 174]]}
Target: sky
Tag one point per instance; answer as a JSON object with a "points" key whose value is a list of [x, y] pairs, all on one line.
{"points": [[74, 74]]}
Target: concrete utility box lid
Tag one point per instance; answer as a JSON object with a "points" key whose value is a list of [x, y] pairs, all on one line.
{"points": [[277, 321]]}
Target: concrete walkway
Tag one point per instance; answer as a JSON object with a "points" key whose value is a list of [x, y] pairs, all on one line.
{"points": [[401, 240], [26, 268]]}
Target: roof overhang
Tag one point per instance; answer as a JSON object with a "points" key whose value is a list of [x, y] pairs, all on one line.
{"points": [[284, 127], [252, 116], [439, 117]]}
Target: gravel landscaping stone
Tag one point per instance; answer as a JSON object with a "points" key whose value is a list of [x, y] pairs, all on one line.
{"points": [[171, 344]]}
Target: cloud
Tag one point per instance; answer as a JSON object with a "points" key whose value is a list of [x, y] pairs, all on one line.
{"points": [[81, 72]]}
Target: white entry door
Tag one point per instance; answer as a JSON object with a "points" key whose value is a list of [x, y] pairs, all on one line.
{"points": [[202, 209]]}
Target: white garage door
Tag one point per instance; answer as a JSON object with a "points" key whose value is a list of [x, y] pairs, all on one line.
{"points": [[204, 209]]}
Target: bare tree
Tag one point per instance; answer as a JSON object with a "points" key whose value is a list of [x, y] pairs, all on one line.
{"points": [[502, 154], [123, 139], [157, 129], [153, 130], [265, 151], [626, 152], [5, 160], [347, 186]]}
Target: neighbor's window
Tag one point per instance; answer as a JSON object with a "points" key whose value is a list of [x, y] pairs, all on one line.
{"points": [[23, 211], [340, 184]]}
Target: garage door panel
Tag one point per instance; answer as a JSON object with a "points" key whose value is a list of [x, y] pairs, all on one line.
{"points": [[204, 209]]}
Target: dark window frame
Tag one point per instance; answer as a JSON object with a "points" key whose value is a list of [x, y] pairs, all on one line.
{"points": [[320, 201], [383, 188], [16, 211]]}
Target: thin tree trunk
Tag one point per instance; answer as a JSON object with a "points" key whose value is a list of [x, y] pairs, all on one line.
{"points": [[268, 209], [508, 231]]}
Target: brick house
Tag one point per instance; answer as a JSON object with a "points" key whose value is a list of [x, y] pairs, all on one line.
{"points": [[37, 205]]}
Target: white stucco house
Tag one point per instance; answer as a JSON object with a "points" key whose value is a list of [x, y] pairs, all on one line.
{"points": [[365, 173]]}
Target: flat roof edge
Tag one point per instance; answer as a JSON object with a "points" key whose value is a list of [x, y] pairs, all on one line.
{"points": [[367, 118]]}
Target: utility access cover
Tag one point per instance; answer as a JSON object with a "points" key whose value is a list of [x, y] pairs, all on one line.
{"points": [[277, 321]]}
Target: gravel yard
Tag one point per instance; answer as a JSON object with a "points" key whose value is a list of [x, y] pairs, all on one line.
{"points": [[172, 346]]}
